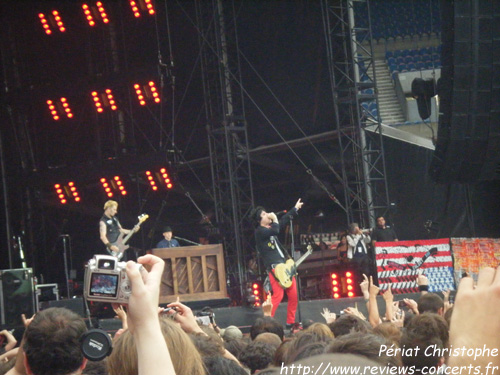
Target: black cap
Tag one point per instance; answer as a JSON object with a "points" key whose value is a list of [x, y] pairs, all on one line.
{"points": [[167, 229]]}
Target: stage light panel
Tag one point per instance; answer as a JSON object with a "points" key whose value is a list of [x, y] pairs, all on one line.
{"points": [[45, 24], [65, 192], [88, 15], [149, 7], [120, 186], [102, 12], [151, 180], [58, 20], [104, 100], [146, 93], [135, 9], [105, 186], [60, 108]]}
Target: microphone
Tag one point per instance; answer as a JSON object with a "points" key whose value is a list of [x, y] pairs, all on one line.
{"points": [[64, 235], [281, 212]]}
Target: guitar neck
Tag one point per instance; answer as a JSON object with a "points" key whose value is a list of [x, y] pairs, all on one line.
{"points": [[127, 237], [303, 257]]}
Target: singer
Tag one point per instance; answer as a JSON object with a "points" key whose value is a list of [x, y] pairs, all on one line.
{"points": [[273, 253], [168, 241]]}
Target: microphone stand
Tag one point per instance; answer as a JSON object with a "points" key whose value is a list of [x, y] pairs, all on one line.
{"points": [[188, 241], [65, 258]]}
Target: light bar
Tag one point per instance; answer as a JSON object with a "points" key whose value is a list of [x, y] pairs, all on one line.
{"points": [[97, 102], [147, 92], [88, 15], [45, 24], [119, 185], [141, 5], [151, 180], [58, 20], [165, 178], [60, 108], [102, 12], [106, 187]]}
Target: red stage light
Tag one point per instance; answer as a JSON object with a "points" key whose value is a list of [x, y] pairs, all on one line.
{"points": [[350, 287], [334, 275], [61, 108], [255, 286], [350, 294], [336, 295], [133, 5], [147, 92], [104, 100], [349, 281], [335, 282], [348, 274], [58, 21], [335, 289]]}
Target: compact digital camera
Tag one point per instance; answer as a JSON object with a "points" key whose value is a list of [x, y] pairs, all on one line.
{"points": [[106, 280]]}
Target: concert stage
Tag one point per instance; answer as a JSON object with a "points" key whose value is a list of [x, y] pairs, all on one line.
{"points": [[244, 317]]}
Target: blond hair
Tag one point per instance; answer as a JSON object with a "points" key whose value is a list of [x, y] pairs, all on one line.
{"points": [[185, 358], [110, 203]]}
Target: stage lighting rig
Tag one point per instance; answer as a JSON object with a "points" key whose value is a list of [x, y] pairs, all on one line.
{"points": [[68, 191], [104, 100], [53, 19], [59, 108], [142, 5]]}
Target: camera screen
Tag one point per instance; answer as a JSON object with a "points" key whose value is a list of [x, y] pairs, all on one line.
{"points": [[102, 284]]}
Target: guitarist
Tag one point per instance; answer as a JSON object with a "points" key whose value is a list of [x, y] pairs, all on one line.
{"points": [[110, 228], [273, 253]]}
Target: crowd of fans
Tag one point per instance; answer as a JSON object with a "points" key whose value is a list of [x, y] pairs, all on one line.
{"points": [[426, 336]]}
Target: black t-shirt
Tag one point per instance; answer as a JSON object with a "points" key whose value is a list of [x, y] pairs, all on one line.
{"points": [[112, 228], [386, 234], [266, 240]]}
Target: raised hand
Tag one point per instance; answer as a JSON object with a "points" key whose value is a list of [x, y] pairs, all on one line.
{"points": [[267, 306], [185, 317], [299, 204], [412, 304], [328, 316], [365, 285], [374, 290]]}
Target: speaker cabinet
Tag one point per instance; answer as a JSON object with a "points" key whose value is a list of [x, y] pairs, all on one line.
{"points": [[16, 295], [468, 142]]}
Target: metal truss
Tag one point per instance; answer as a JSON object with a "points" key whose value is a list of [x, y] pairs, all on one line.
{"points": [[227, 133], [354, 90]]}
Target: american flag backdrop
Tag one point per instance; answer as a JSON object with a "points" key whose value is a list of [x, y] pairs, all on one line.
{"points": [[399, 264]]}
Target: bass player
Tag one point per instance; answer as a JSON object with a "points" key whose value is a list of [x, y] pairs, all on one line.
{"points": [[110, 228], [273, 253]]}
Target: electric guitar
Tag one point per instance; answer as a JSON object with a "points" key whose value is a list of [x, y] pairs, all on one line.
{"points": [[284, 272], [121, 242]]}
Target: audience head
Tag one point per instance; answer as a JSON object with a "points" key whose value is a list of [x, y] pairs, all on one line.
{"points": [[302, 339], [266, 324], [231, 333], [365, 344], [348, 323], [269, 338], [185, 357], [218, 365], [423, 331], [207, 346], [321, 330], [430, 302], [236, 347], [52, 342], [390, 331], [257, 356]]}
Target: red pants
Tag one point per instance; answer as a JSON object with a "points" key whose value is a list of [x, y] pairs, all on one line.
{"points": [[277, 296]]}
